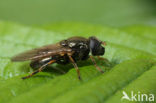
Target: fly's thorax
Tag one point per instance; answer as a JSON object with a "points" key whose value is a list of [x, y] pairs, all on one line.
{"points": [[81, 49], [75, 44], [79, 46]]}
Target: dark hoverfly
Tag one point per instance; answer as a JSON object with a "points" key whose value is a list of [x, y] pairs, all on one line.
{"points": [[70, 50]]}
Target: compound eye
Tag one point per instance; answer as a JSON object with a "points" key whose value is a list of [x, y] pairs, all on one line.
{"points": [[92, 43], [95, 46]]}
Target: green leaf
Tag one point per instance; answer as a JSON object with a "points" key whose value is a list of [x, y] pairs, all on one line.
{"points": [[130, 54]]}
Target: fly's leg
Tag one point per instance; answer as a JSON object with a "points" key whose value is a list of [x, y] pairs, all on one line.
{"points": [[75, 65], [39, 70], [105, 60], [101, 58], [97, 67]]}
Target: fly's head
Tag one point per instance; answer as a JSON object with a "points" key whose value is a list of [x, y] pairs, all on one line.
{"points": [[96, 47]]}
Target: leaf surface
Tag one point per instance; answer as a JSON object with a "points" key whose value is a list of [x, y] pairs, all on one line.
{"points": [[130, 54]]}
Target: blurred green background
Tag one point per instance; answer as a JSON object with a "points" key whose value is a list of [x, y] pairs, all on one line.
{"points": [[105, 12], [128, 26]]}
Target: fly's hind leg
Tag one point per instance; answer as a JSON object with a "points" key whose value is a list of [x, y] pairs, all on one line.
{"points": [[75, 65], [40, 69], [97, 67]]}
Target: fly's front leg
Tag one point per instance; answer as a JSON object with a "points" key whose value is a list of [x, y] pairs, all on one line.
{"points": [[74, 64], [97, 67], [101, 58], [104, 59], [40, 69]]}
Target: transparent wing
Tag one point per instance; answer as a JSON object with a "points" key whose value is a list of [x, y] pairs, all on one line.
{"points": [[40, 53]]}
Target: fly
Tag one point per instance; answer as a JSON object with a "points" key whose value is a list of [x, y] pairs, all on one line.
{"points": [[66, 51]]}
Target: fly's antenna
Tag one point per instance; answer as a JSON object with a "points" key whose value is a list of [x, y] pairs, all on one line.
{"points": [[104, 43]]}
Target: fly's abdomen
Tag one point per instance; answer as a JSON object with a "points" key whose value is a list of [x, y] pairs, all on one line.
{"points": [[38, 63], [35, 64]]}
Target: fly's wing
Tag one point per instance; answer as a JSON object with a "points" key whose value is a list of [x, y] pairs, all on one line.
{"points": [[39, 53]]}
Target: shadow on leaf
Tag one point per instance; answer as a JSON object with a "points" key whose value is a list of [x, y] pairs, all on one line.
{"points": [[57, 69]]}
